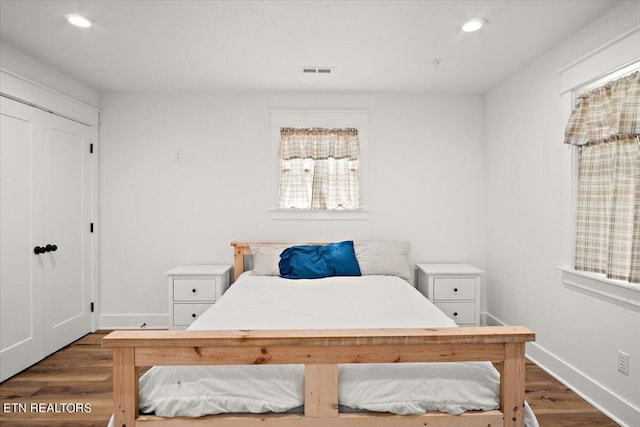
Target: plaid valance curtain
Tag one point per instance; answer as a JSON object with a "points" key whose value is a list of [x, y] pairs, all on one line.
{"points": [[319, 144], [606, 111], [606, 125], [319, 169]]}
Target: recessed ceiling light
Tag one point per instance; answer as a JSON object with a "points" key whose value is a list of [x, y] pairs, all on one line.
{"points": [[77, 20], [474, 25]]}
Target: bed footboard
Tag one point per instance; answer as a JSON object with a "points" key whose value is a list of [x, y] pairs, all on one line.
{"points": [[321, 351]]}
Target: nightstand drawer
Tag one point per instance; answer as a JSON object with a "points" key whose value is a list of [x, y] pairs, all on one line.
{"points": [[185, 314], [461, 312], [454, 288], [194, 289]]}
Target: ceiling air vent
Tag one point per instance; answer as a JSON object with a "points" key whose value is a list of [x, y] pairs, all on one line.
{"points": [[317, 70]]}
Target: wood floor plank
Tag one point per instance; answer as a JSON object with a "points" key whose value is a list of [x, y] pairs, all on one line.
{"points": [[51, 423], [17, 389], [573, 419], [81, 373]]}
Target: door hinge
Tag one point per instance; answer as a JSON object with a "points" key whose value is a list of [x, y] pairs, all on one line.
{"points": [[91, 148], [91, 228], [92, 307]]}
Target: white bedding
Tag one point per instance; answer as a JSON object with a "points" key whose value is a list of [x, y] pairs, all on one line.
{"points": [[268, 302]]}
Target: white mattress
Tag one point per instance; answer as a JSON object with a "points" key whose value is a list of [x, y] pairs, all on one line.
{"points": [[267, 302]]}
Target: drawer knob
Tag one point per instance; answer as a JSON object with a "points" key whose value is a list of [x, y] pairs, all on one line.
{"points": [[455, 314], [455, 289], [193, 315], [193, 290]]}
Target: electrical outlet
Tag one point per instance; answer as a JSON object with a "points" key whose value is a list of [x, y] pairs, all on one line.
{"points": [[623, 362]]}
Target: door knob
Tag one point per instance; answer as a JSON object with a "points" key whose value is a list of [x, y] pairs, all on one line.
{"points": [[43, 249]]}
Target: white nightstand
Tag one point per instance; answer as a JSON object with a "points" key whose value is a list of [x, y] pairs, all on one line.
{"points": [[454, 289], [193, 289]]}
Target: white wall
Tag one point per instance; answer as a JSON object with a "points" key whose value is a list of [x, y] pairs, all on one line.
{"points": [[578, 334], [25, 66], [427, 184]]}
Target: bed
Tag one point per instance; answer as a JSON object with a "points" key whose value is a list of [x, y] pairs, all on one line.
{"points": [[363, 364]]}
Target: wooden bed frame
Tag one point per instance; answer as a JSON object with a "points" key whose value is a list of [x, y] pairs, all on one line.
{"points": [[320, 351]]}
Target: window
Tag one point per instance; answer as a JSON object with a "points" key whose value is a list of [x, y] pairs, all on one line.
{"points": [[611, 61], [319, 169], [605, 126], [318, 162]]}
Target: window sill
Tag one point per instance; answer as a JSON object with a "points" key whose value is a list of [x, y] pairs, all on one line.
{"points": [[303, 214], [617, 290]]}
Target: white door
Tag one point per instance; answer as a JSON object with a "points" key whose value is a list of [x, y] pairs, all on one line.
{"points": [[45, 203], [67, 182], [21, 274]]}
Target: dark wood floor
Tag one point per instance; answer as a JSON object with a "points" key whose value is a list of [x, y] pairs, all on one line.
{"points": [[81, 374]]}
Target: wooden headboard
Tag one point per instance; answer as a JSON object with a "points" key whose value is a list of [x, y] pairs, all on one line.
{"points": [[241, 249]]}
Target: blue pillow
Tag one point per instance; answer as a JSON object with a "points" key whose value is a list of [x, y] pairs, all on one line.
{"points": [[303, 262], [314, 262], [342, 257]]}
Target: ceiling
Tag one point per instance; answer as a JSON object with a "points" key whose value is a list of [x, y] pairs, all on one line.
{"points": [[147, 45]]}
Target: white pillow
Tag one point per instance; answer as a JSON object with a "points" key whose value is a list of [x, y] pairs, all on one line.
{"points": [[266, 257], [383, 257]]}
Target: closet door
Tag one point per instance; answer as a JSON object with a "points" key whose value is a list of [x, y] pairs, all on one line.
{"points": [[21, 273], [45, 201], [67, 185]]}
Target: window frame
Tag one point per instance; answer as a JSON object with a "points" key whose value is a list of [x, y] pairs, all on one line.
{"points": [[616, 291], [357, 119]]}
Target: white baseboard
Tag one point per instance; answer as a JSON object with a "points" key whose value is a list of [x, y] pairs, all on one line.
{"points": [[607, 402], [134, 321]]}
